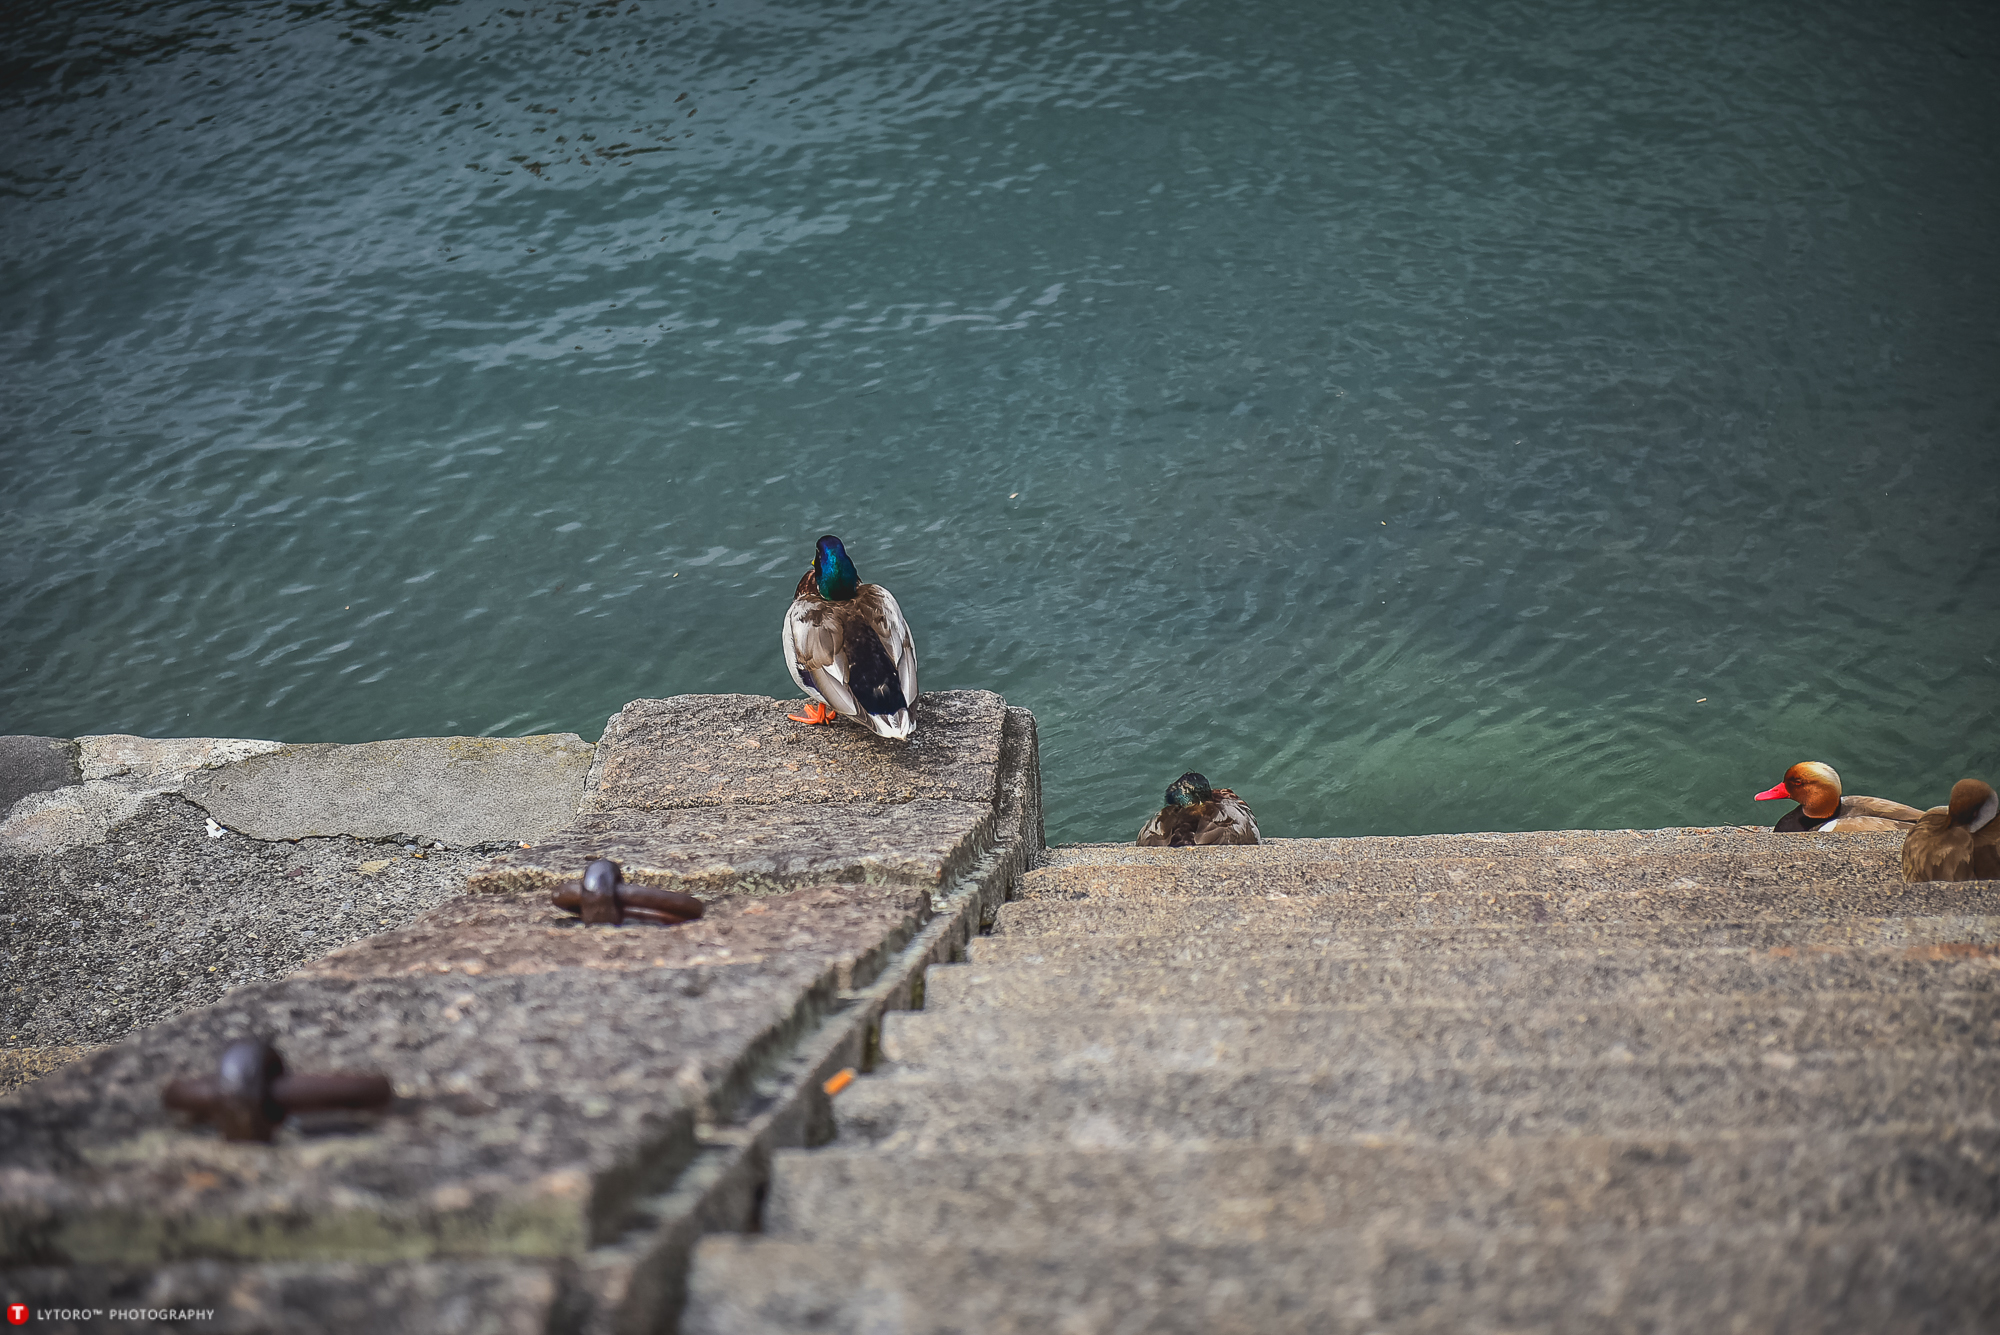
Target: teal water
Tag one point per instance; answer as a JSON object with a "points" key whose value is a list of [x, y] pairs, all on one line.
{"points": [[1418, 417]]}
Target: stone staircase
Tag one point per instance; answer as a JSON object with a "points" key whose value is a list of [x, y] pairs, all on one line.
{"points": [[574, 1105], [1679, 1080]]}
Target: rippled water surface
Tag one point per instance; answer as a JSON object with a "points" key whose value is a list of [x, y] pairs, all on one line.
{"points": [[1418, 417]]}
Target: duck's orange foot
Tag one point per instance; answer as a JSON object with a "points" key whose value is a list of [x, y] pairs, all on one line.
{"points": [[816, 712]]}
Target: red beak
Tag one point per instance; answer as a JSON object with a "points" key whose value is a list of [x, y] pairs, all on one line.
{"points": [[1771, 794]]}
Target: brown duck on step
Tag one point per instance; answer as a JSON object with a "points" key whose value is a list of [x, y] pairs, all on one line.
{"points": [[1198, 814], [1959, 842], [1816, 789]]}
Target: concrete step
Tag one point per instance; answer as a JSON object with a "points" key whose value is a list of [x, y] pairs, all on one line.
{"points": [[1168, 944], [1665, 1281], [1419, 1097], [1040, 1042], [1053, 909], [1530, 845], [1250, 874], [1242, 1192], [1554, 977]]}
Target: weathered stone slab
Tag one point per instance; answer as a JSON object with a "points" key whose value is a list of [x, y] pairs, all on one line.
{"points": [[1189, 1037], [1182, 879], [1532, 845], [1390, 977], [1142, 1107], [1870, 1277], [462, 790], [1246, 1191], [116, 773], [61, 818], [1050, 907], [530, 1111], [842, 931], [753, 847], [1168, 943], [714, 750], [162, 764], [105, 937], [547, 1072], [35, 765]]}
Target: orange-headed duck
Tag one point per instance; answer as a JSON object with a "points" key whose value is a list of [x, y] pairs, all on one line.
{"points": [[1959, 842], [1198, 814], [1816, 789]]}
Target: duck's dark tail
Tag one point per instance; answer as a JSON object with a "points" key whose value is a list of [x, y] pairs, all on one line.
{"points": [[871, 675]]}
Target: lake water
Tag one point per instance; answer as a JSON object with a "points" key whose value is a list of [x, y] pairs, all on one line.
{"points": [[1419, 417]]}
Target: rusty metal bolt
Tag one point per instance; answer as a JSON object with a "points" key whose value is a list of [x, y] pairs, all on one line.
{"points": [[250, 1093], [604, 896]]}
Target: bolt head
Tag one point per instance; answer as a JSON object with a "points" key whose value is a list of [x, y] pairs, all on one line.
{"points": [[246, 1110], [600, 893]]}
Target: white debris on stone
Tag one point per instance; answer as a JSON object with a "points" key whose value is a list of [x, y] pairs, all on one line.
{"points": [[214, 831]]}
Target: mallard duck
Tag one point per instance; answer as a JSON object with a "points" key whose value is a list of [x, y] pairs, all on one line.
{"points": [[849, 648], [1816, 788], [1198, 814], [1957, 842]]}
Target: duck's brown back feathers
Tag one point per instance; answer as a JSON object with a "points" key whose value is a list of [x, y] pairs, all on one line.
{"points": [[1958, 842], [1224, 819]]}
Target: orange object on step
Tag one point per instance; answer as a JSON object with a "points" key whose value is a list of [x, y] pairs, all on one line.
{"points": [[839, 1081]]}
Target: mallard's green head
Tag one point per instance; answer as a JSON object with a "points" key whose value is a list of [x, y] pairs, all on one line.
{"points": [[835, 573], [1189, 790]]}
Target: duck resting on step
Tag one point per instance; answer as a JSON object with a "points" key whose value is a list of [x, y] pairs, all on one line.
{"points": [[1816, 788], [849, 649], [1959, 841], [1198, 814]]}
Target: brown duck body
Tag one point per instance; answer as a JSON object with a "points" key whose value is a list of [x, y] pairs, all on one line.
{"points": [[1959, 841], [1854, 813], [1822, 806], [1224, 819]]}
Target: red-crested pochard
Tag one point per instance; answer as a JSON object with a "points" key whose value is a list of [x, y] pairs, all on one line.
{"points": [[1959, 842], [1198, 814], [1816, 789]]}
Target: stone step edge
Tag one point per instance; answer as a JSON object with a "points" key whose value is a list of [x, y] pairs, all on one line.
{"points": [[896, 1080], [638, 1282], [1463, 1275], [1388, 1142], [1865, 931], [1491, 844], [635, 1281], [1027, 1010]]}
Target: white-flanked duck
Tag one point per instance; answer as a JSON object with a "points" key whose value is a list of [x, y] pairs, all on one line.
{"points": [[1959, 841], [1198, 814], [849, 649], [1816, 788]]}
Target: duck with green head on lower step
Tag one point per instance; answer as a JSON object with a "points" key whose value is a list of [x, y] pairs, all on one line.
{"points": [[849, 649], [1196, 814]]}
